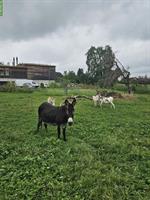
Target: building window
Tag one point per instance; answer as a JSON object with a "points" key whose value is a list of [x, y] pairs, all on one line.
{"points": [[2, 73], [7, 72]]}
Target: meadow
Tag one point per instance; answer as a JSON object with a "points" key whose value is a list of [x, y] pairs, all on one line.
{"points": [[106, 156]]}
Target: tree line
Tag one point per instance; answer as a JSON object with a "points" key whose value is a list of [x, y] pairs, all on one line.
{"points": [[103, 69]]}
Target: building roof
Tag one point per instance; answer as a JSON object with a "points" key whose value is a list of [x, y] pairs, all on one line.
{"points": [[33, 64], [12, 67]]}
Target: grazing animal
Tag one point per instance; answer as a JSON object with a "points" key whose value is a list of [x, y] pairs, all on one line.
{"points": [[96, 99], [106, 100], [99, 100], [51, 100], [59, 116]]}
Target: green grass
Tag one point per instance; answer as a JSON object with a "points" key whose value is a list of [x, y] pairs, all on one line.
{"points": [[106, 157], [136, 88]]}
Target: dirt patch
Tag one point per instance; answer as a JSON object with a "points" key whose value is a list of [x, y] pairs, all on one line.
{"points": [[128, 96], [117, 95]]}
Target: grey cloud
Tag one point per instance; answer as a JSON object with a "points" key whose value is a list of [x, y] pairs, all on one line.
{"points": [[26, 19], [131, 21], [61, 32]]}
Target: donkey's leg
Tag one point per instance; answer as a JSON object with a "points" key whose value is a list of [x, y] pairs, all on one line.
{"points": [[101, 102], [64, 133], [39, 124], [58, 131], [45, 125], [95, 104]]}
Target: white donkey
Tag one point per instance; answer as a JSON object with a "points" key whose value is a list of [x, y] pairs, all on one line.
{"points": [[99, 100], [107, 100], [96, 99]]}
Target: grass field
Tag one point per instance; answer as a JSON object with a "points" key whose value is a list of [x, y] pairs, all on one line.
{"points": [[106, 157]]}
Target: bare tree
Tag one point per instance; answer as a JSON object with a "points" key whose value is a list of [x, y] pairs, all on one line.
{"points": [[125, 75]]}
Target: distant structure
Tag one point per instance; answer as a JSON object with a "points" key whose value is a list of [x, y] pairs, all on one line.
{"points": [[16, 60], [31, 71], [13, 63]]}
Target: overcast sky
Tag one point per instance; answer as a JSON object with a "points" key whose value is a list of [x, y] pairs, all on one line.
{"points": [[60, 32]]}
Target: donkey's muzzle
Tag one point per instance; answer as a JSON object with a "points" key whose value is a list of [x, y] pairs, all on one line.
{"points": [[70, 121]]}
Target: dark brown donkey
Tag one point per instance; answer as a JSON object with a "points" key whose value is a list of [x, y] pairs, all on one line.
{"points": [[59, 116]]}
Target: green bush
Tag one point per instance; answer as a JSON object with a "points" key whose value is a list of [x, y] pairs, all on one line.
{"points": [[11, 87], [42, 85], [8, 87], [120, 87], [142, 89], [55, 85], [24, 90]]}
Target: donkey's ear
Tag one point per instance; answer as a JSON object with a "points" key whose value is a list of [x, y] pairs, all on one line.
{"points": [[66, 102], [74, 101]]}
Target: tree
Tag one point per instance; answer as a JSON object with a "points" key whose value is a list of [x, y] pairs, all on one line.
{"points": [[100, 62], [70, 76], [80, 72], [125, 74], [81, 76], [65, 82]]}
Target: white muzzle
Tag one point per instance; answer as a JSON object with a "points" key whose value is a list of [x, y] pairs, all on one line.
{"points": [[70, 121]]}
